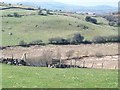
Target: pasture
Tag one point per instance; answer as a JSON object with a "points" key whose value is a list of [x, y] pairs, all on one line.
{"points": [[37, 27], [36, 77], [31, 27]]}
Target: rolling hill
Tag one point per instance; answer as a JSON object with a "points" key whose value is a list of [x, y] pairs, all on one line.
{"points": [[32, 26]]}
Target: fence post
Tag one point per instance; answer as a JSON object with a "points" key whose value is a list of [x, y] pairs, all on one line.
{"points": [[12, 57], [75, 63], [102, 65], [92, 65], [25, 57], [83, 64], [71, 63], [115, 67]]}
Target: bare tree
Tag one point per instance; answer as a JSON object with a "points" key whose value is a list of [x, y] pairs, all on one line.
{"points": [[70, 54], [46, 57], [58, 56]]}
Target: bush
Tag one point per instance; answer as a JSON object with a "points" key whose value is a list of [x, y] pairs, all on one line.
{"points": [[100, 39], [87, 42], [9, 15], [16, 15], [37, 42], [77, 39], [113, 20], [23, 43], [113, 39], [42, 12], [13, 15], [58, 40], [92, 20]]}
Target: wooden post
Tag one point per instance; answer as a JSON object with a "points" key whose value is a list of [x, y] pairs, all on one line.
{"points": [[102, 65], [71, 63], [92, 65], [115, 67], [12, 57], [60, 63], [25, 57], [83, 64], [75, 63]]}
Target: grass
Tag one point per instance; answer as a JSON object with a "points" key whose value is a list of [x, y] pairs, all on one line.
{"points": [[40, 77], [50, 26]]}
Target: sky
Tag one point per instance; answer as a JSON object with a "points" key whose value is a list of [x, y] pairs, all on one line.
{"points": [[74, 2]]}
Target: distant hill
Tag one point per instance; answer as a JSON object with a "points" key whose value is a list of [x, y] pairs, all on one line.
{"points": [[66, 7]]}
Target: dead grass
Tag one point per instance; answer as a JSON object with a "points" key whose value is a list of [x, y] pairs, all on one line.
{"points": [[40, 54]]}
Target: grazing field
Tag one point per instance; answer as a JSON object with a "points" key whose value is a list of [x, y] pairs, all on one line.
{"points": [[37, 27], [36, 77]]}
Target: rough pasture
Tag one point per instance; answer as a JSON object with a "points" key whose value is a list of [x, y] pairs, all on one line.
{"points": [[106, 54]]}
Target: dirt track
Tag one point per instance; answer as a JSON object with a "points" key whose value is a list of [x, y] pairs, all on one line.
{"points": [[110, 62]]}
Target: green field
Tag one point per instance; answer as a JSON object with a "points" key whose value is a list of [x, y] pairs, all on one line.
{"points": [[40, 77], [24, 28]]}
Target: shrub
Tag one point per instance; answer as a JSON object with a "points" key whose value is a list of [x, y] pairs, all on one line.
{"points": [[10, 15], [87, 18], [77, 39], [92, 20], [113, 20], [13, 15], [112, 23], [113, 39], [84, 27], [23, 43], [42, 12], [58, 40], [16, 15], [37, 42], [86, 42], [98, 39]]}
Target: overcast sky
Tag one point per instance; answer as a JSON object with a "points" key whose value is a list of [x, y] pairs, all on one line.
{"points": [[75, 2]]}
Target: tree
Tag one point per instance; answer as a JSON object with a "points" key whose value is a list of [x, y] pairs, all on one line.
{"points": [[9, 4], [70, 54], [46, 58], [77, 39], [16, 15], [92, 20]]}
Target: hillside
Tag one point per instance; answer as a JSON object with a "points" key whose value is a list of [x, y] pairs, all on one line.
{"points": [[32, 26]]}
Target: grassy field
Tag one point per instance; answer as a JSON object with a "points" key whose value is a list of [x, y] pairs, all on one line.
{"points": [[36, 77], [25, 28]]}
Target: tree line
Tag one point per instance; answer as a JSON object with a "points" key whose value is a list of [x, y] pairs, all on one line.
{"points": [[76, 39]]}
